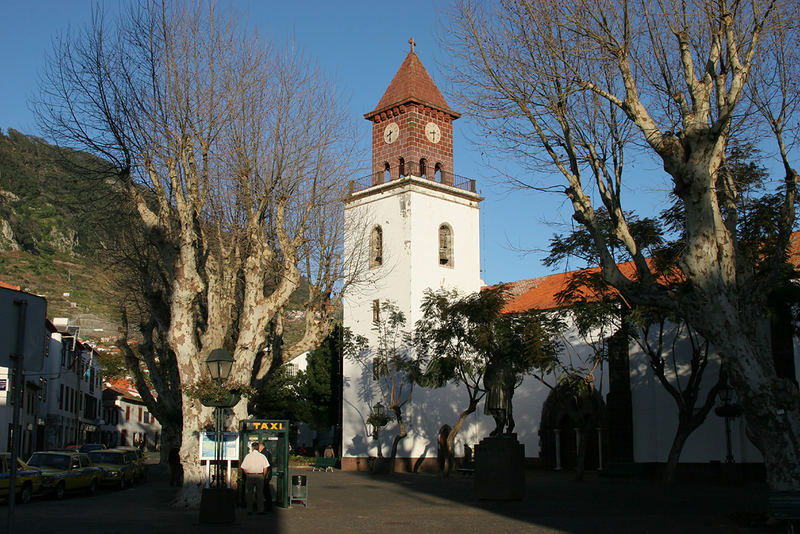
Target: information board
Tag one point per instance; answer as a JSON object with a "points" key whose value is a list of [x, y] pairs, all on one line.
{"points": [[230, 449]]}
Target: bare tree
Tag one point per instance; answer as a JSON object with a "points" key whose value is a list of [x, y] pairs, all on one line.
{"points": [[569, 86], [231, 153]]}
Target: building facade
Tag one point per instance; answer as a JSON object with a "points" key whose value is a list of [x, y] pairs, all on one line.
{"points": [[126, 419], [57, 376], [74, 402]]}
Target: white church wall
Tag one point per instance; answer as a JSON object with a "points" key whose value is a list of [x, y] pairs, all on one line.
{"points": [[409, 215], [429, 409], [655, 415]]}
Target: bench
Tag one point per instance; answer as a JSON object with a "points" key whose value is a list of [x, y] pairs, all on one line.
{"points": [[785, 506], [324, 464], [467, 469]]}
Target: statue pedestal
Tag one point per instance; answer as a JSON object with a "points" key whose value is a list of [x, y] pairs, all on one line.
{"points": [[500, 468]]}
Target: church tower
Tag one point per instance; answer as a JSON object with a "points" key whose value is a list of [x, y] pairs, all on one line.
{"points": [[416, 223], [412, 128]]}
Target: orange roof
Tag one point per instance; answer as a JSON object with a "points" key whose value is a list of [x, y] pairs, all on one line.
{"points": [[124, 387], [412, 82], [9, 286], [543, 293]]}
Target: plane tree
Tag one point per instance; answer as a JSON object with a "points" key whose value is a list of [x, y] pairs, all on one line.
{"points": [[227, 150], [577, 88]]}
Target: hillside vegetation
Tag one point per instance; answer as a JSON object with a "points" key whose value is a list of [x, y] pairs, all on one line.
{"points": [[50, 232], [56, 224]]}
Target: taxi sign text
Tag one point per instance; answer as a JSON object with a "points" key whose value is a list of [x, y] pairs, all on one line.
{"points": [[267, 425]]}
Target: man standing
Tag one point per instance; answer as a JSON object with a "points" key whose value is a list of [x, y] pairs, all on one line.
{"points": [[255, 467]]}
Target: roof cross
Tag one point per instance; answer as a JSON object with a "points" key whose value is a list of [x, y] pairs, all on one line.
{"points": [[413, 43]]}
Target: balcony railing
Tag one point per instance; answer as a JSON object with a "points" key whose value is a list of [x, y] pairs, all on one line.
{"points": [[378, 178]]}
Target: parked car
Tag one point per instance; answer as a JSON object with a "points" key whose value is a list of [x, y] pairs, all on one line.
{"points": [[137, 456], [89, 447], [66, 471], [28, 480], [118, 468]]}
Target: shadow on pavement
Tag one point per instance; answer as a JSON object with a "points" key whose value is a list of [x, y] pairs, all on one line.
{"points": [[361, 502]]}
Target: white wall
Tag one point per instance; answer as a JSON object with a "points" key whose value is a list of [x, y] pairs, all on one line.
{"points": [[655, 415], [409, 214]]}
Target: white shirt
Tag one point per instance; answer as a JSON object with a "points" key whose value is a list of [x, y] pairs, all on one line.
{"points": [[254, 463]]}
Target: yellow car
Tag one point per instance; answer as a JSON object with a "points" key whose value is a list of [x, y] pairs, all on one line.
{"points": [[29, 481], [118, 469], [137, 457], [64, 471]]}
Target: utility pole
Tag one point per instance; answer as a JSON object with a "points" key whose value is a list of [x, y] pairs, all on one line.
{"points": [[18, 357]]}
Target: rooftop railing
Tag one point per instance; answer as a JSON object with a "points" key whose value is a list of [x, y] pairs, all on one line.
{"points": [[378, 178]]}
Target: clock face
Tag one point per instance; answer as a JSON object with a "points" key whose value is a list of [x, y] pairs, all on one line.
{"points": [[432, 132], [391, 133]]}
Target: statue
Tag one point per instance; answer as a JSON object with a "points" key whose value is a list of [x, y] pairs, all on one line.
{"points": [[499, 382]]}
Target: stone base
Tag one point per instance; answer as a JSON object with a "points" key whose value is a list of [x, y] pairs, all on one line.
{"points": [[500, 468], [217, 505]]}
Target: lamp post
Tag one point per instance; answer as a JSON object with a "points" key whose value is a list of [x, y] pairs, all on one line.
{"points": [[728, 410], [219, 364], [378, 420], [218, 503]]}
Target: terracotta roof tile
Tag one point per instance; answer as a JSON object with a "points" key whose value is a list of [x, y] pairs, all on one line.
{"points": [[412, 82], [124, 387], [9, 286], [542, 293]]}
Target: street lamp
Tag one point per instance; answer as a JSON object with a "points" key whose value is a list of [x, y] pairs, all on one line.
{"points": [[219, 364], [729, 411], [377, 413], [377, 418]]}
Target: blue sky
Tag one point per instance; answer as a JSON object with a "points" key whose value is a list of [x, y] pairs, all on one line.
{"points": [[361, 44]]}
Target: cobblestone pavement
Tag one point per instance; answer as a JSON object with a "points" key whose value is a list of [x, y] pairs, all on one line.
{"points": [[360, 502]]}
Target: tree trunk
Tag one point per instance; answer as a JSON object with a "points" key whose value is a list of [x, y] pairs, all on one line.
{"points": [[726, 305], [193, 472], [451, 437], [170, 438], [403, 433], [771, 407], [681, 435]]}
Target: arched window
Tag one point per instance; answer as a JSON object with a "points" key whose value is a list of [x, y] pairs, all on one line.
{"points": [[437, 172], [376, 247], [402, 167], [387, 175], [446, 246], [423, 171]]}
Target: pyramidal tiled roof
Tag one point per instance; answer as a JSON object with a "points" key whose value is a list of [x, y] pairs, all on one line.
{"points": [[412, 82]]}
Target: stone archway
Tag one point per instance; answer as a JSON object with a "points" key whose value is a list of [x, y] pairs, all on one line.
{"points": [[566, 421]]}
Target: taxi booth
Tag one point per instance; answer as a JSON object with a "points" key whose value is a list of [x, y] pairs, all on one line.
{"points": [[274, 434]]}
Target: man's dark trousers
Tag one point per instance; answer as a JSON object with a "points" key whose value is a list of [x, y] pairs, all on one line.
{"points": [[254, 484]]}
